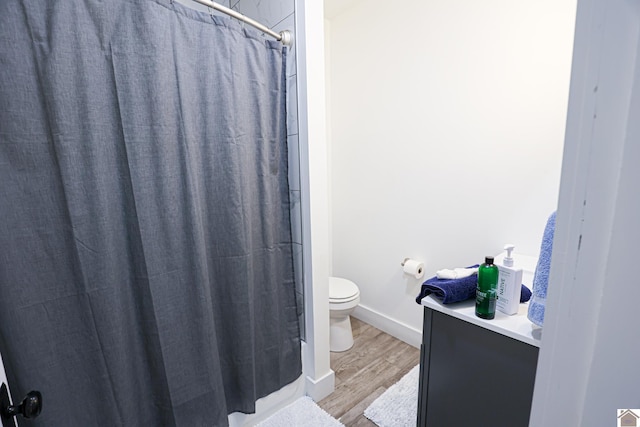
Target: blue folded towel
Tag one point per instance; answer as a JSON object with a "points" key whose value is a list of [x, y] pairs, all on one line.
{"points": [[525, 294], [455, 290], [541, 275], [450, 290]]}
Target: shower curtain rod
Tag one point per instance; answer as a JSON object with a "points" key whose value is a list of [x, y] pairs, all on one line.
{"points": [[284, 36]]}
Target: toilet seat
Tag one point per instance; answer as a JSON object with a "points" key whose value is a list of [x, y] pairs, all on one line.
{"points": [[342, 290]]}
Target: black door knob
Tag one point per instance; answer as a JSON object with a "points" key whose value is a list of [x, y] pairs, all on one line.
{"points": [[30, 407]]}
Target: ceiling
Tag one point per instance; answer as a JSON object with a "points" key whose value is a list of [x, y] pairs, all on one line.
{"points": [[332, 8]]}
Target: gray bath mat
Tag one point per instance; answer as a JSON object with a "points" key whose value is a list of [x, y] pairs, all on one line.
{"points": [[398, 406], [302, 413]]}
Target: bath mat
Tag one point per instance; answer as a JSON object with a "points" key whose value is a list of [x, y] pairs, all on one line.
{"points": [[398, 406], [302, 413]]}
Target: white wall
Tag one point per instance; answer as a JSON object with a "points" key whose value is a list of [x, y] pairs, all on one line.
{"points": [[447, 126], [314, 184]]}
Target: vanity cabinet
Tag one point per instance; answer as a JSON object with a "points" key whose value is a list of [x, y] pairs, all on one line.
{"points": [[476, 372]]}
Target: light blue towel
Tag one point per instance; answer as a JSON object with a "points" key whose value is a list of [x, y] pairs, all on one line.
{"points": [[541, 275]]}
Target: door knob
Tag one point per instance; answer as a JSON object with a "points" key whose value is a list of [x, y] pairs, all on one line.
{"points": [[30, 407]]}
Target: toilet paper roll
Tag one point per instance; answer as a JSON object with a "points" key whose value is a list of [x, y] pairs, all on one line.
{"points": [[414, 268]]}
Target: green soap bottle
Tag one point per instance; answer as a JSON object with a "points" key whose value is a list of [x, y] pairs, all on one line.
{"points": [[486, 289]]}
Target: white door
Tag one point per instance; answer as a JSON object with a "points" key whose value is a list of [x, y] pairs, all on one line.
{"points": [[3, 380]]}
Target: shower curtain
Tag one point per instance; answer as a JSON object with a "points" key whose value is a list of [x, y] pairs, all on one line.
{"points": [[146, 271]]}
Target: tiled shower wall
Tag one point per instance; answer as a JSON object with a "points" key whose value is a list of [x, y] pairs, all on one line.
{"points": [[279, 15]]}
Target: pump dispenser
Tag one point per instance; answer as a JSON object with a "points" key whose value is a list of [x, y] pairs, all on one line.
{"points": [[508, 260], [509, 284]]}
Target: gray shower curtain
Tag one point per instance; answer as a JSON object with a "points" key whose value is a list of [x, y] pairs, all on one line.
{"points": [[146, 272]]}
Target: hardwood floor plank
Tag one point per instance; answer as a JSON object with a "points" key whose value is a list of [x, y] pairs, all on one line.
{"points": [[361, 357], [362, 422], [352, 416], [405, 359], [349, 393], [375, 362]]}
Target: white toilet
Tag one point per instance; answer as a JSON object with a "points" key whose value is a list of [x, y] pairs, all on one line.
{"points": [[344, 296]]}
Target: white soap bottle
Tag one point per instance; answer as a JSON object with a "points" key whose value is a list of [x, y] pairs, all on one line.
{"points": [[509, 284]]}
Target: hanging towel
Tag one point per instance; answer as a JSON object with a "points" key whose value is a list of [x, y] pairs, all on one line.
{"points": [[541, 275], [455, 290]]}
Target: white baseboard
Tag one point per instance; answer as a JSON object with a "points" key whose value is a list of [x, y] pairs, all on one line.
{"points": [[316, 387], [322, 387], [391, 326]]}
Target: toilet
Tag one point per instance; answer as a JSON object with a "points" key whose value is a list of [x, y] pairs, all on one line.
{"points": [[344, 296]]}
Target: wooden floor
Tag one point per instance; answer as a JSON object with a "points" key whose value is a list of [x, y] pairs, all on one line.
{"points": [[374, 363]]}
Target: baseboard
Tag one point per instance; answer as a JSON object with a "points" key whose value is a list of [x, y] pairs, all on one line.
{"points": [[322, 387], [391, 326]]}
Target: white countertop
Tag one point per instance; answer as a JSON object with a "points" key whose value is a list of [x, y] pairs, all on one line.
{"points": [[518, 326]]}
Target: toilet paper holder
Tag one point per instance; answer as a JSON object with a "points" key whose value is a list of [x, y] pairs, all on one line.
{"points": [[413, 267]]}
